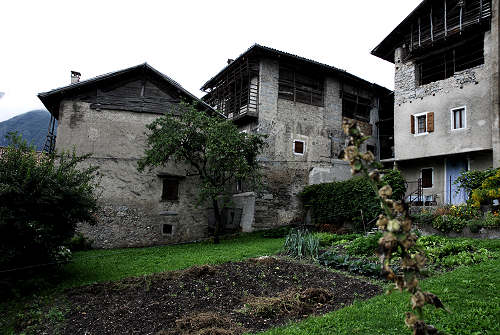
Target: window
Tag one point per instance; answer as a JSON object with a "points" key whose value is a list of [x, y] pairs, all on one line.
{"points": [[299, 147], [446, 63], [356, 107], [166, 229], [300, 87], [422, 124], [426, 175], [372, 149], [458, 118], [170, 189]]}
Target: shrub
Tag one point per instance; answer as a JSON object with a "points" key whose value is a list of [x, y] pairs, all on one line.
{"points": [[301, 243], [448, 223], [41, 201], [364, 245], [474, 225], [491, 219], [489, 190], [465, 212], [340, 202], [470, 180], [79, 243], [395, 179]]}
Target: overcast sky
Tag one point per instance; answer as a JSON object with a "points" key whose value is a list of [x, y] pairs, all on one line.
{"points": [[190, 41]]}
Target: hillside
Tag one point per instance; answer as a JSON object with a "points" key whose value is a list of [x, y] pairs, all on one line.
{"points": [[32, 125]]}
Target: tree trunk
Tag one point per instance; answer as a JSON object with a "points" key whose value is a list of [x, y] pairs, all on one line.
{"points": [[218, 221]]}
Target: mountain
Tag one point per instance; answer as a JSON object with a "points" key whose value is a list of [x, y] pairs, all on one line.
{"points": [[32, 125]]}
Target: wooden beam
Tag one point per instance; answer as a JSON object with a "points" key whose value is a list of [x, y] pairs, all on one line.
{"points": [[445, 20], [432, 26], [419, 33]]}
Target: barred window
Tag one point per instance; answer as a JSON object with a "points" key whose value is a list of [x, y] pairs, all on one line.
{"points": [[300, 87]]}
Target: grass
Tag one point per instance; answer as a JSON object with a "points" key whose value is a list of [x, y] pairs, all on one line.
{"points": [[471, 293], [111, 265]]}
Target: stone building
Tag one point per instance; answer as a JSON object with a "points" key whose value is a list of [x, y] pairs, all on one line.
{"points": [[106, 116], [446, 112], [299, 104]]}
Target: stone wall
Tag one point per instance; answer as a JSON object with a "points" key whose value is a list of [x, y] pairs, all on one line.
{"points": [[133, 213], [285, 121]]}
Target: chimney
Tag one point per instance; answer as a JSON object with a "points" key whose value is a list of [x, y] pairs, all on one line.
{"points": [[229, 61], [75, 77]]}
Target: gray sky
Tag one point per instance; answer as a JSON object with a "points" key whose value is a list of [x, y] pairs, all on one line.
{"points": [[190, 41]]}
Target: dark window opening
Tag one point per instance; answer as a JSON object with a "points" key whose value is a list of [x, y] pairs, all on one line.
{"points": [[166, 229], [300, 87], [170, 189], [372, 149], [427, 178], [239, 185], [445, 64], [356, 107], [298, 147]]}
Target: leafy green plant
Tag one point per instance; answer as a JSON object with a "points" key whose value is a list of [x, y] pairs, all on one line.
{"points": [[42, 197], [364, 245], [491, 219], [474, 225], [473, 179], [448, 223], [329, 239], [488, 191], [395, 179], [360, 266], [79, 243], [424, 218], [301, 244]]}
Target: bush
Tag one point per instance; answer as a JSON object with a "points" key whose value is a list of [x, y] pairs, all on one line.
{"points": [[352, 201], [470, 180], [491, 219], [397, 182], [448, 223], [474, 225], [79, 243], [364, 245], [488, 191], [301, 243], [41, 201], [424, 218]]}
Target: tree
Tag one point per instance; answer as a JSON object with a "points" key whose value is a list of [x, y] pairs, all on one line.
{"points": [[212, 147], [42, 197]]}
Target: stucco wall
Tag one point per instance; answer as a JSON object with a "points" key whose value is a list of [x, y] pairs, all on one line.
{"points": [[411, 171], [132, 209], [470, 88]]}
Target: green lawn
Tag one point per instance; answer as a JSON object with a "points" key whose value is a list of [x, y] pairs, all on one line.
{"points": [[472, 294]]}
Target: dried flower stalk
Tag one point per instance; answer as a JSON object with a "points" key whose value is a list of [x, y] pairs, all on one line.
{"points": [[396, 225]]}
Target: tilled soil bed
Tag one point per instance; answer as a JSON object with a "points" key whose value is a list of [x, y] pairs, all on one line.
{"points": [[231, 298]]}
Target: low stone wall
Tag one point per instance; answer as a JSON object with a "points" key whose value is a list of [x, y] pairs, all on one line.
{"points": [[122, 226], [484, 233]]}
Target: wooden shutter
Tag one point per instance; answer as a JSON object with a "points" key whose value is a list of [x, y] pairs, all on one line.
{"points": [[430, 122], [412, 124]]}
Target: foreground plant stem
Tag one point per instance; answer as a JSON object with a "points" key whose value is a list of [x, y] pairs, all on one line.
{"points": [[396, 225]]}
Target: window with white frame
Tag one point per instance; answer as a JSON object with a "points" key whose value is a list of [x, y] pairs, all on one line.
{"points": [[422, 123], [458, 118], [427, 175], [299, 147]]}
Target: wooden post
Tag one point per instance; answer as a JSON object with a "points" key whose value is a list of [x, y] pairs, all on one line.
{"points": [[419, 33], [432, 27], [445, 21]]}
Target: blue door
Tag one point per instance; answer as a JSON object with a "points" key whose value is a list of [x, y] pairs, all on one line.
{"points": [[454, 167]]}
